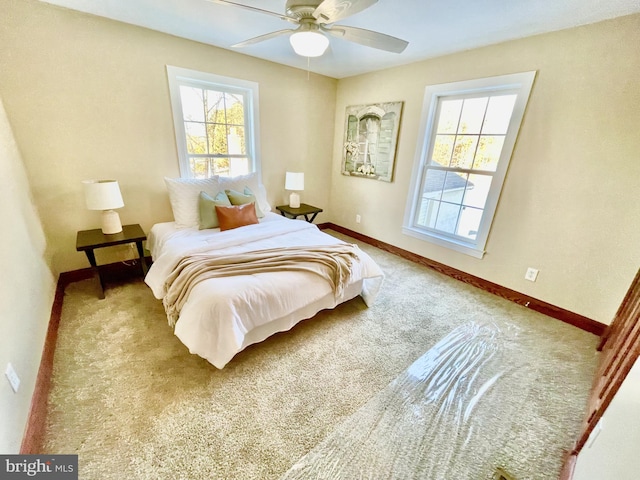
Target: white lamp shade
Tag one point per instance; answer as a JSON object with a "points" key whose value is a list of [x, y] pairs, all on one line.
{"points": [[309, 44], [294, 181], [102, 194]]}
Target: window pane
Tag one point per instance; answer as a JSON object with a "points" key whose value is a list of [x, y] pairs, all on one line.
{"points": [[469, 223], [220, 166], [442, 150], [235, 109], [453, 189], [477, 190], [192, 106], [447, 217], [488, 153], [201, 167], [433, 184], [214, 102], [196, 137], [205, 167], [217, 134], [472, 115], [237, 166], [428, 213], [463, 151], [499, 114], [449, 116], [235, 141]]}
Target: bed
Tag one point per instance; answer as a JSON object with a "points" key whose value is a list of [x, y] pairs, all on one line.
{"points": [[225, 289]]}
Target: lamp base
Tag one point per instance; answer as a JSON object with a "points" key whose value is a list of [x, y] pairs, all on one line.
{"points": [[111, 222], [294, 200]]}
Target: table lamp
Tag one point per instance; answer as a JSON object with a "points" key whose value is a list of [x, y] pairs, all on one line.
{"points": [[105, 195], [295, 182]]}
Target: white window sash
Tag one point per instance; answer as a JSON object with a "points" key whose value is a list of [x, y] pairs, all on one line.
{"points": [[519, 83], [178, 76]]}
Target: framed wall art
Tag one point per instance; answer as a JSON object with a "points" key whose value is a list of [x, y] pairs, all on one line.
{"points": [[370, 138]]}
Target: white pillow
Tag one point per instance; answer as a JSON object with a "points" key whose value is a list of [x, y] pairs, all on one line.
{"points": [[250, 180], [184, 194]]}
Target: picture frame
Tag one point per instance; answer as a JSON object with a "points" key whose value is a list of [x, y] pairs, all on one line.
{"points": [[370, 140]]}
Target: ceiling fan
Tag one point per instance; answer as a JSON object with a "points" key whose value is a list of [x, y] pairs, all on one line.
{"points": [[316, 18]]}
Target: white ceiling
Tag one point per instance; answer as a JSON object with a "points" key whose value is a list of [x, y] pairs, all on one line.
{"points": [[432, 27]]}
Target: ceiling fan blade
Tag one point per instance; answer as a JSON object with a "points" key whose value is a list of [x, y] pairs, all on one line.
{"points": [[255, 9], [331, 11], [367, 37], [262, 38]]}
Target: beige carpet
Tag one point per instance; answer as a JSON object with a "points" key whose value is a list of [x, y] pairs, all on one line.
{"points": [[130, 400]]}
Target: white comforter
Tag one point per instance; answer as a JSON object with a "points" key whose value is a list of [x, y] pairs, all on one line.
{"points": [[224, 315]]}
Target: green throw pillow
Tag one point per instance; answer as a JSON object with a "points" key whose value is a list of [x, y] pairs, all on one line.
{"points": [[238, 198], [207, 217]]}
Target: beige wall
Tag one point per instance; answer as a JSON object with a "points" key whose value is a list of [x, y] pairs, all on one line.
{"points": [[88, 98], [571, 200], [26, 289], [612, 449]]}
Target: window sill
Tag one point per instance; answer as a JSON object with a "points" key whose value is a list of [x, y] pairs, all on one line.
{"points": [[449, 243]]}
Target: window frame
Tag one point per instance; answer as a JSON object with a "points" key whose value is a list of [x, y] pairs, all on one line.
{"points": [[519, 83], [178, 77]]}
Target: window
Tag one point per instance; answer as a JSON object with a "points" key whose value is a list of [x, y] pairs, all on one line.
{"points": [[215, 122], [468, 132]]}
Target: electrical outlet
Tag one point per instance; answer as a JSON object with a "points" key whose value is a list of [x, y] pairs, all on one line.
{"points": [[358, 218], [13, 378], [531, 275]]}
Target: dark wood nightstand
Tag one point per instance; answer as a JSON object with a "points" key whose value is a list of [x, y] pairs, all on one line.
{"points": [[88, 240], [303, 210]]}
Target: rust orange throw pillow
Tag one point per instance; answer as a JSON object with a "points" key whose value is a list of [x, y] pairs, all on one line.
{"points": [[236, 216]]}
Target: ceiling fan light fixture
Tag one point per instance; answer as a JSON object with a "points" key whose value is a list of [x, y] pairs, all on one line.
{"points": [[309, 44]]}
